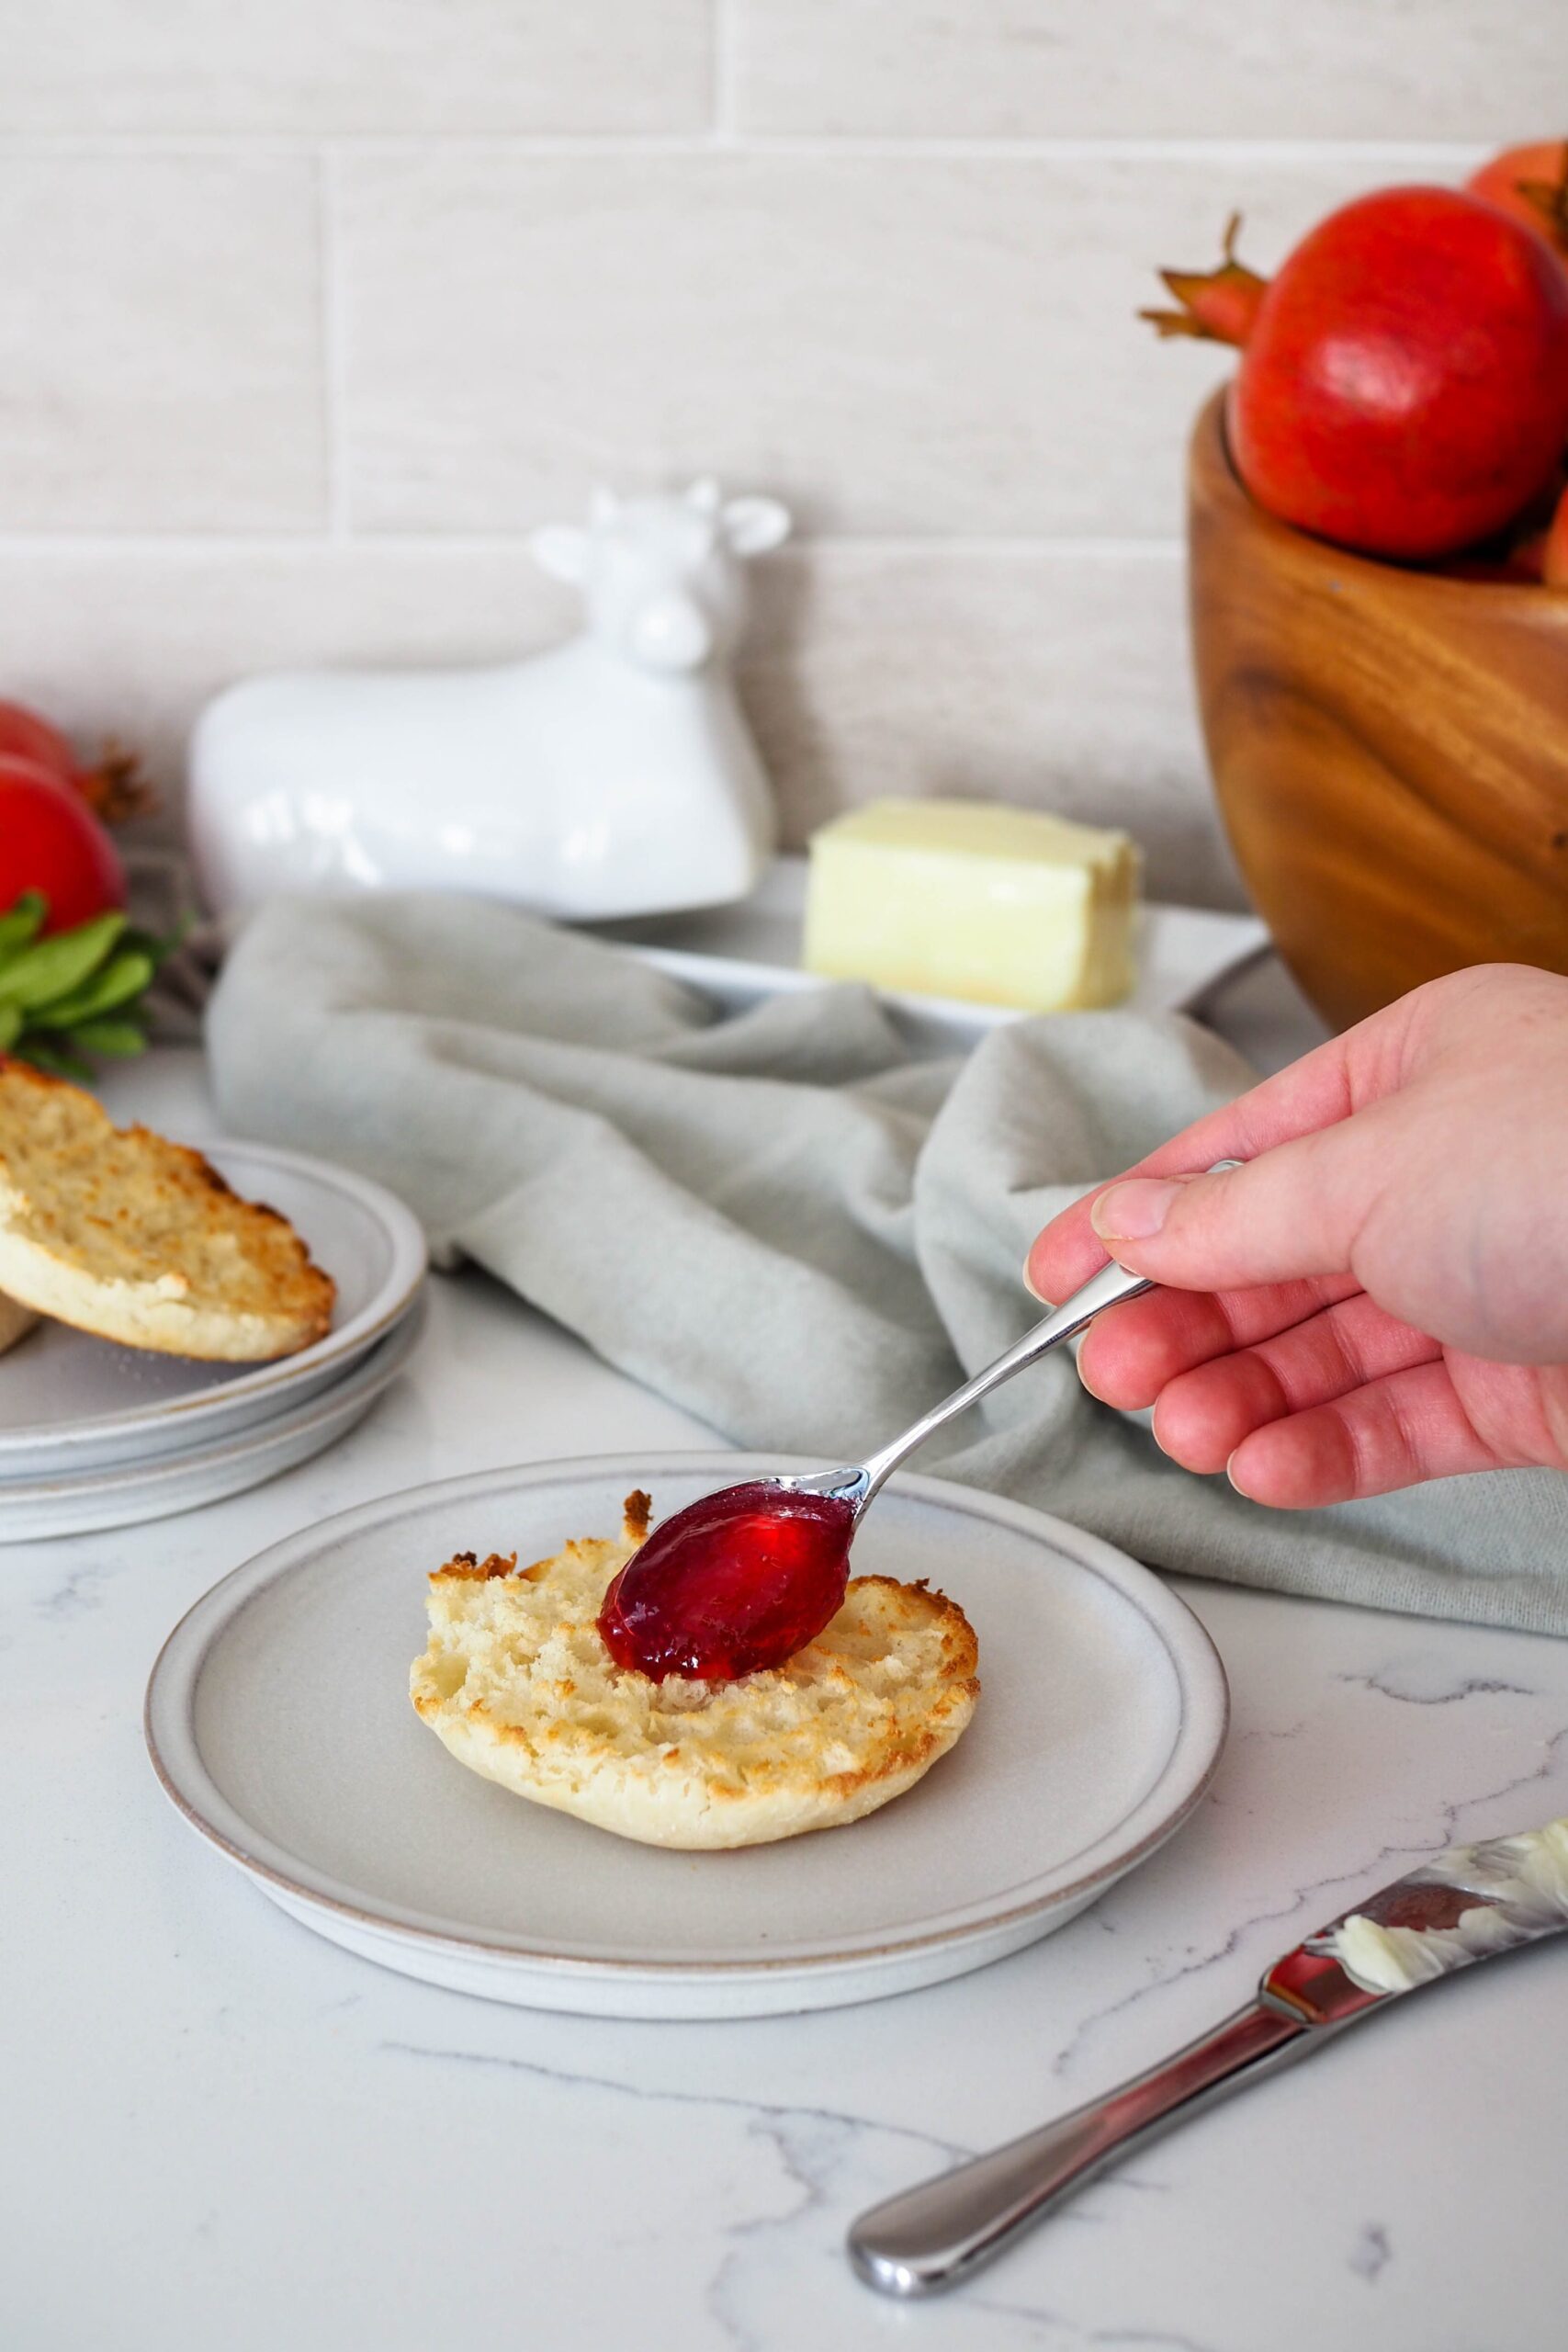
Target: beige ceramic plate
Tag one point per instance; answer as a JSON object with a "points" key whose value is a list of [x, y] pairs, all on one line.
{"points": [[279, 1723]]}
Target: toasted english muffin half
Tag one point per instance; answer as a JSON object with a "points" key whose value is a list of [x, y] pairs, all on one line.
{"points": [[134, 1239], [518, 1685]]}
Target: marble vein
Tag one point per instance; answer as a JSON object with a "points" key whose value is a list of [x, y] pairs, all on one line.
{"points": [[80, 1590], [1371, 2254], [1072, 2338], [1380, 1680], [759, 2111]]}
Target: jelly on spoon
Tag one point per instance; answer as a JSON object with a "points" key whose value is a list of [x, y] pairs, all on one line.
{"points": [[737, 1582]]}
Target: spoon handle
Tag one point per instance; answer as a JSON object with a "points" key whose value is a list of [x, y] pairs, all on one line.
{"points": [[1107, 1288]]}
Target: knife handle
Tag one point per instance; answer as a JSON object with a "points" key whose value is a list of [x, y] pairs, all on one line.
{"points": [[935, 2235]]}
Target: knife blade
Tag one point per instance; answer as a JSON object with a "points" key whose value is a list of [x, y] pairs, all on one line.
{"points": [[1466, 1904]]}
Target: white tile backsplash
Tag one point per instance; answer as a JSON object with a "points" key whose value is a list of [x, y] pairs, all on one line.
{"points": [[1164, 69], [130, 637], [1058, 677], [309, 313], [898, 345], [440, 68], [160, 354]]}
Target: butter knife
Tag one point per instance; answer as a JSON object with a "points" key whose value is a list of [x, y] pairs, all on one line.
{"points": [[1468, 1904]]}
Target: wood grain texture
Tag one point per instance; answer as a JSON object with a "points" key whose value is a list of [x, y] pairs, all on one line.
{"points": [[1390, 750]]}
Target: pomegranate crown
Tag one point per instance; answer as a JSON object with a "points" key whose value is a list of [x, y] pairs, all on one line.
{"points": [[1216, 305]]}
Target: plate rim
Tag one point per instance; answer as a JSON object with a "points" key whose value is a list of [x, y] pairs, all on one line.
{"points": [[410, 1259], [167, 1715], [376, 1368]]}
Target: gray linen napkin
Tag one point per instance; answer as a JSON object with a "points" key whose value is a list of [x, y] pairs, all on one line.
{"points": [[779, 1220]]}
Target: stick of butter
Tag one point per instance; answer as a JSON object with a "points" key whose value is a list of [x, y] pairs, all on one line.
{"points": [[969, 898]]}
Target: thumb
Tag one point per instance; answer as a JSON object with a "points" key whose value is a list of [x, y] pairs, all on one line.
{"points": [[1292, 1212]]}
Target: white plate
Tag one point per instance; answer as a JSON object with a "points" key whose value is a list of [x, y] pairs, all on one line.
{"points": [[75, 1502], [70, 1403], [279, 1723], [738, 954]]}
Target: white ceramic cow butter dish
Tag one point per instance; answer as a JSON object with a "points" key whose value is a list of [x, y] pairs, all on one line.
{"points": [[612, 776]]}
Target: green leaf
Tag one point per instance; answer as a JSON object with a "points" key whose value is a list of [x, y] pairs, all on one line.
{"points": [[10, 1025], [125, 975], [111, 1037], [52, 1058], [50, 966], [23, 922]]}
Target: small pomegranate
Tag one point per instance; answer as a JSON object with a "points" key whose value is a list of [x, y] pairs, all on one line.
{"points": [[732, 1584], [113, 790], [50, 840], [1404, 380], [1532, 185]]}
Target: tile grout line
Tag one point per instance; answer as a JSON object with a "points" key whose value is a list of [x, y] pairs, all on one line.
{"points": [[334, 385], [349, 145], [1071, 548]]}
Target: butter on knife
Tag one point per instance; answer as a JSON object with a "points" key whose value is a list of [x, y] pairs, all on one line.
{"points": [[972, 899]]}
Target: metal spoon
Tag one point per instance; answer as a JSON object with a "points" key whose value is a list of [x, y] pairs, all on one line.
{"points": [[661, 1615], [859, 1483]]}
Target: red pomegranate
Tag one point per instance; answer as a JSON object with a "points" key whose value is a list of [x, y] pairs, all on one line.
{"points": [[1403, 382], [50, 840], [1532, 185]]}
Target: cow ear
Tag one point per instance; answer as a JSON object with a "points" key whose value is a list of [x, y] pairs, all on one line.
{"points": [[561, 549], [752, 525]]}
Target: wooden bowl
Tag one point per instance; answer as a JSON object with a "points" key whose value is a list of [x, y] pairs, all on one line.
{"points": [[1390, 749]]}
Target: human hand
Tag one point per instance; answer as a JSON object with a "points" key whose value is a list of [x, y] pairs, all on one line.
{"points": [[1380, 1294]]}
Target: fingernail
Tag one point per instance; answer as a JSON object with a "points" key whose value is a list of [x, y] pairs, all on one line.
{"points": [[1029, 1283], [1135, 1211]]}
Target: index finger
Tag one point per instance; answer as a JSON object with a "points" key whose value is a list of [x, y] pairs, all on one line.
{"points": [[1314, 1093]]}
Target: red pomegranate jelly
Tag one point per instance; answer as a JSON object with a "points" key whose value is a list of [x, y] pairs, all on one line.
{"points": [[739, 1581]]}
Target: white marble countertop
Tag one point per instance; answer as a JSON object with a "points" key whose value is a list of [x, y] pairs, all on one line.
{"points": [[221, 2129]]}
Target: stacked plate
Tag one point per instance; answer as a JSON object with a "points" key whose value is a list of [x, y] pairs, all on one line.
{"points": [[94, 1435]]}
